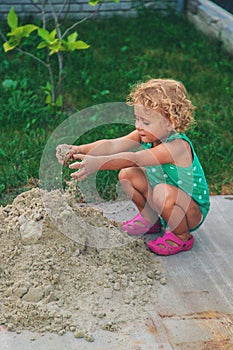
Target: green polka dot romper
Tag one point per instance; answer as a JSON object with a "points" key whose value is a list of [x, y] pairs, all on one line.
{"points": [[190, 179]]}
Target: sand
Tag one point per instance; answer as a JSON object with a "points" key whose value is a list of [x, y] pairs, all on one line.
{"points": [[65, 267]]}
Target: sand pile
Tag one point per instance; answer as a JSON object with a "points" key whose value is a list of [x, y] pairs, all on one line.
{"points": [[52, 282]]}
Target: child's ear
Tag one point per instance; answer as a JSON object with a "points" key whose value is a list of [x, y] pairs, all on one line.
{"points": [[171, 125]]}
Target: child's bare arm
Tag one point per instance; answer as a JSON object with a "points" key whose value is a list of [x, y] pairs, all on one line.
{"points": [[65, 153], [90, 164], [161, 154]]}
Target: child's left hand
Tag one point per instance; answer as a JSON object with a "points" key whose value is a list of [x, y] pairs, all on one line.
{"points": [[87, 166]]}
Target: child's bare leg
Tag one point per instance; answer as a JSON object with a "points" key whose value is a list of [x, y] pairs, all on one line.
{"points": [[177, 208], [137, 188]]}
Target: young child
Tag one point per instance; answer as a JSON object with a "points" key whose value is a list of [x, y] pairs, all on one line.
{"points": [[165, 179]]}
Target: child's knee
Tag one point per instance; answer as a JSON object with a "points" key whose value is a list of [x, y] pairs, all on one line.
{"points": [[123, 174], [126, 173]]}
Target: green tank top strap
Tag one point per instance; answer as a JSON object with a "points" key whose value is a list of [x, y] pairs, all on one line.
{"points": [[183, 137]]}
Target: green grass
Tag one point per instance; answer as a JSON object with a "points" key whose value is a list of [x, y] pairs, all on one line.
{"points": [[123, 51]]}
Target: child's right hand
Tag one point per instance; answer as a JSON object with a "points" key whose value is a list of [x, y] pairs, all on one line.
{"points": [[64, 153]]}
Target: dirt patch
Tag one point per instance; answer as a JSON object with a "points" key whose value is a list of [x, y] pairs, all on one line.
{"points": [[56, 282]]}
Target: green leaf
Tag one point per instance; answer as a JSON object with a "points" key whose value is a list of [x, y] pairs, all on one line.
{"points": [[96, 2], [47, 88], [81, 45], [124, 48], [22, 31], [9, 84], [28, 29], [17, 33], [54, 47], [48, 99], [76, 45], [53, 34], [44, 34], [12, 19], [8, 46], [72, 37], [42, 45], [104, 92], [59, 101], [93, 2]]}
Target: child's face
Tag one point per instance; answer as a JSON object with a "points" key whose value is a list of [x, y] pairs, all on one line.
{"points": [[151, 125]]}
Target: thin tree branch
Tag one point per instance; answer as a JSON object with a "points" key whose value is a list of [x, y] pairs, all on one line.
{"points": [[59, 83], [32, 56], [36, 5], [81, 21], [43, 15], [59, 55], [56, 21], [51, 78], [42, 11], [66, 3], [3, 36]]}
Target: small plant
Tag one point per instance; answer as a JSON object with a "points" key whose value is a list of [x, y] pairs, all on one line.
{"points": [[54, 42]]}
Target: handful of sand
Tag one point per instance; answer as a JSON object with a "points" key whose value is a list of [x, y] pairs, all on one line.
{"points": [[64, 153]]}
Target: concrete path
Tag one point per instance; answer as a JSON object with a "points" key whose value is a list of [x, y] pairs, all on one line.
{"points": [[193, 311]]}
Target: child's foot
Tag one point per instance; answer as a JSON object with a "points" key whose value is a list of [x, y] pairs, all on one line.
{"points": [[140, 226], [170, 244]]}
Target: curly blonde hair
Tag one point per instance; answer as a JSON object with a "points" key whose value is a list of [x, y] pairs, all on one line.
{"points": [[166, 96]]}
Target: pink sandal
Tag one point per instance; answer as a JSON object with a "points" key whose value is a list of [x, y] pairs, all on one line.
{"points": [[140, 226], [161, 245]]}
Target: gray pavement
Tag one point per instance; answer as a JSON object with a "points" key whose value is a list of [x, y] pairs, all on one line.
{"points": [[194, 310]]}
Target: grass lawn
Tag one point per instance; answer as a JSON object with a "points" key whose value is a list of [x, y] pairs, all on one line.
{"points": [[123, 51]]}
